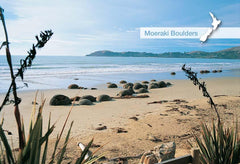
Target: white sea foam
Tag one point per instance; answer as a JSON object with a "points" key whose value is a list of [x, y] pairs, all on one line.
{"points": [[60, 71]]}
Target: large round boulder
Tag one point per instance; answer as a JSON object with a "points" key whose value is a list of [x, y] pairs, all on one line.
{"points": [[127, 85], [60, 100], [125, 93], [169, 84], [104, 98], [89, 97], [73, 86], [153, 86], [137, 86], [145, 86], [112, 85], [145, 82], [123, 82], [85, 102], [142, 90], [162, 84]]}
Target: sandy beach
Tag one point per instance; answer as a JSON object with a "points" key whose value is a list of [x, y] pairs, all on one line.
{"points": [[171, 120]]}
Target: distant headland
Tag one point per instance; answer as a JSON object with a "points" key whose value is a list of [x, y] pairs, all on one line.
{"points": [[230, 53]]}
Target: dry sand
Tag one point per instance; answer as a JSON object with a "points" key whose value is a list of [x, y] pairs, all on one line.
{"points": [[169, 121]]}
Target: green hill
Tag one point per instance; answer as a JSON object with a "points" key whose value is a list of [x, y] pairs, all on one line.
{"points": [[230, 53]]}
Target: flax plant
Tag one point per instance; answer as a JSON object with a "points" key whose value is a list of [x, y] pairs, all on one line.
{"points": [[217, 145]]}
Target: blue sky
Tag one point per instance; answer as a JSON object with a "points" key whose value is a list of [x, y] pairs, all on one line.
{"points": [[81, 27]]}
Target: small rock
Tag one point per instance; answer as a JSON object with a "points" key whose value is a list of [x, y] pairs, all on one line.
{"points": [[93, 88], [204, 71], [219, 70], [153, 80], [214, 71], [95, 145], [60, 100], [76, 78], [123, 82], [73, 86], [145, 82], [120, 130], [85, 102], [104, 98], [112, 85], [89, 97], [134, 118], [165, 151], [34, 103], [173, 73], [153, 138], [168, 84], [101, 128]]}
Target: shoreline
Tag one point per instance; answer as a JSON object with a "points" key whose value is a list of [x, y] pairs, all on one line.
{"points": [[102, 85], [116, 113]]}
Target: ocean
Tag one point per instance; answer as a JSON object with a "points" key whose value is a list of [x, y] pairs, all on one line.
{"points": [[57, 72]]}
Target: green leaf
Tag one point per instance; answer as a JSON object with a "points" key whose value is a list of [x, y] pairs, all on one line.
{"points": [[3, 44], [65, 144], [46, 143], [36, 147], [7, 146]]}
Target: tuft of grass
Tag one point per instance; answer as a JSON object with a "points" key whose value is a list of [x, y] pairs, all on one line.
{"points": [[219, 145]]}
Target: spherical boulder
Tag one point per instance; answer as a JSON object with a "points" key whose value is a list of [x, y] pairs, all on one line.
{"points": [[142, 90], [76, 98], [125, 86], [85, 102], [89, 97], [125, 92], [123, 82], [204, 71], [73, 86], [60, 100], [169, 84], [104, 98], [112, 85], [145, 86], [145, 82], [162, 84], [137, 86], [153, 86]]}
